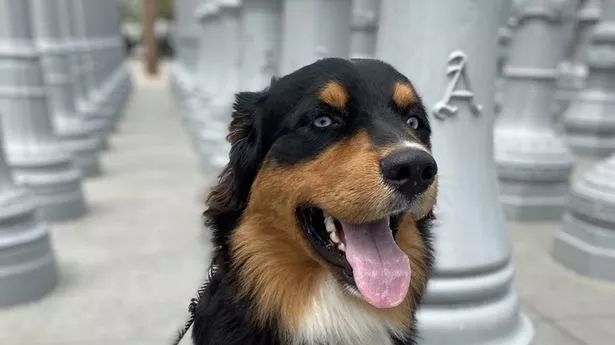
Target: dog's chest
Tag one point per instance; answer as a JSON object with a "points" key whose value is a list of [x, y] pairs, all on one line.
{"points": [[332, 320]]}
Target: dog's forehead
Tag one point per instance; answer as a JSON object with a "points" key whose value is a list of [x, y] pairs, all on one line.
{"points": [[339, 83]]}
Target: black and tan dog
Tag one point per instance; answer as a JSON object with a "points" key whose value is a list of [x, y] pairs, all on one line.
{"points": [[321, 218]]}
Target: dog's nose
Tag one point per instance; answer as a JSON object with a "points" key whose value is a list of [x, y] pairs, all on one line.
{"points": [[410, 171]]}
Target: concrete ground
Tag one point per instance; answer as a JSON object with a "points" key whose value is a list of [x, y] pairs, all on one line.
{"points": [[130, 267]]}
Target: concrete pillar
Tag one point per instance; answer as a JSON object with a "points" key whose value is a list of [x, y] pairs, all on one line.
{"points": [[586, 242], [504, 35], [589, 121], [471, 299], [80, 137], [39, 161], [364, 28], [573, 69], [219, 78], [187, 46], [27, 262], [81, 68], [314, 29], [261, 22], [533, 163]]}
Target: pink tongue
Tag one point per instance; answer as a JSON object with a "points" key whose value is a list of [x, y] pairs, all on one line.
{"points": [[381, 270]]}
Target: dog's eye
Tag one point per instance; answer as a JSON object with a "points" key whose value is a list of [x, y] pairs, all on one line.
{"points": [[322, 121], [413, 122]]}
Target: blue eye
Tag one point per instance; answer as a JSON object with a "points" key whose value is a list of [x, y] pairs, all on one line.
{"points": [[322, 121], [413, 122]]}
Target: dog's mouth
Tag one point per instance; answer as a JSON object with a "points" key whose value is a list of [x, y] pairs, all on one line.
{"points": [[365, 257]]}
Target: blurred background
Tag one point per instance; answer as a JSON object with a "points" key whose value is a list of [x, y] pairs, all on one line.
{"points": [[113, 122]]}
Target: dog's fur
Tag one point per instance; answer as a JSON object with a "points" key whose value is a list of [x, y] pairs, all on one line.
{"points": [[271, 287]]}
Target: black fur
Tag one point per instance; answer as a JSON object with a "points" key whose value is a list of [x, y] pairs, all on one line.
{"points": [[275, 124]]}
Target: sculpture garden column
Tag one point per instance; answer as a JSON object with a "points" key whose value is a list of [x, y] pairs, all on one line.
{"points": [[533, 163], [79, 136], [471, 299], [573, 69], [586, 242], [589, 122], [364, 28], [27, 262], [39, 161], [314, 29], [261, 36], [220, 80], [81, 68]]}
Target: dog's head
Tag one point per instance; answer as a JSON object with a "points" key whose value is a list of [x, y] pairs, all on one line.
{"points": [[330, 171]]}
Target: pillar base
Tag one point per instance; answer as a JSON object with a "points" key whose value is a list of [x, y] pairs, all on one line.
{"points": [[55, 184], [28, 268], [533, 202], [473, 309], [589, 124], [82, 140], [533, 169], [586, 247]]}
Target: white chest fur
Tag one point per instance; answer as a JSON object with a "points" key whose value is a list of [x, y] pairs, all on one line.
{"points": [[334, 320]]}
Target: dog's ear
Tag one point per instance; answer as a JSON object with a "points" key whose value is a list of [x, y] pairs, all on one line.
{"points": [[228, 198]]}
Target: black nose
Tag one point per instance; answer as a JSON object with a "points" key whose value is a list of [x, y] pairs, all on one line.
{"points": [[410, 171]]}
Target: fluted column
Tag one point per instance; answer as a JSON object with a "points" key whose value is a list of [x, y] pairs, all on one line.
{"points": [[27, 262], [471, 299], [80, 137], [589, 121], [314, 29], [364, 28], [533, 163], [261, 36], [38, 159]]}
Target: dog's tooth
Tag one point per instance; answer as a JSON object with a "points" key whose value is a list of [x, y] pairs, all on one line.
{"points": [[329, 224], [342, 247], [334, 238]]}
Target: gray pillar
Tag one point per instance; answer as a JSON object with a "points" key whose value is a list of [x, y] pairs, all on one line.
{"points": [[261, 37], [82, 40], [80, 137], [471, 299], [221, 81], [573, 70], [69, 20], [589, 121], [586, 242], [27, 262], [364, 28], [533, 163], [38, 159], [186, 48], [314, 29], [209, 122]]}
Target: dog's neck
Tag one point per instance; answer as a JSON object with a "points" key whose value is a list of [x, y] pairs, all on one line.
{"points": [[333, 317]]}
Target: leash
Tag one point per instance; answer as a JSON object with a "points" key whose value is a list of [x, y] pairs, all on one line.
{"points": [[194, 303]]}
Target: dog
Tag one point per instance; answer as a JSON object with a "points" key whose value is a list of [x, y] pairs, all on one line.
{"points": [[321, 219]]}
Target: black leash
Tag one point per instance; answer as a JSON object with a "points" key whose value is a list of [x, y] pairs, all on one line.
{"points": [[193, 304]]}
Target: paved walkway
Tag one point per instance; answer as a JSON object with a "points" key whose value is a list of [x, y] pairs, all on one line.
{"points": [[131, 266]]}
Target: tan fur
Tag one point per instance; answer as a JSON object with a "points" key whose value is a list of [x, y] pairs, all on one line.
{"points": [[334, 94], [278, 266], [403, 95]]}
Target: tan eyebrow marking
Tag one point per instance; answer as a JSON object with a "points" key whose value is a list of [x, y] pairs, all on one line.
{"points": [[334, 94], [403, 95]]}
